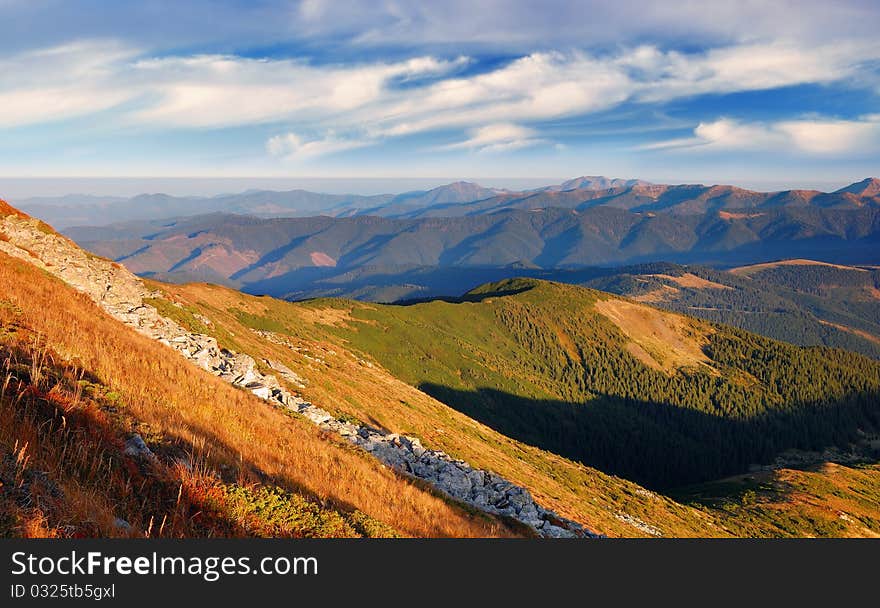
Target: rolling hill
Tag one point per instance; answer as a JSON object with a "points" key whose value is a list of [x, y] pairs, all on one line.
{"points": [[575, 371], [402, 367], [78, 210]]}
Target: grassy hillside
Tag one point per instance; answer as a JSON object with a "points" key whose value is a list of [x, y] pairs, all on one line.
{"points": [[76, 385], [479, 357], [560, 389], [310, 339], [822, 500], [651, 396]]}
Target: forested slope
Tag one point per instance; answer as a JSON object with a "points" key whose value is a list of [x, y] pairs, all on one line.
{"points": [[652, 396]]}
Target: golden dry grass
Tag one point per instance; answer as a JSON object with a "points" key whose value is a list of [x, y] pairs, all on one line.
{"points": [[693, 281], [226, 428], [748, 270], [727, 215], [852, 330], [823, 500], [655, 296], [662, 340]]}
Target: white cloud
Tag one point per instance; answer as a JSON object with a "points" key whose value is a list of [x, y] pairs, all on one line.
{"points": [[834, 136], [291, 146], [364, 101], [813, 136], [499, 137], [62, 82], [217, 91]]}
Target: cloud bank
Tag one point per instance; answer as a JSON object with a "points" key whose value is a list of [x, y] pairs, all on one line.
{"points": [[370, 102]]}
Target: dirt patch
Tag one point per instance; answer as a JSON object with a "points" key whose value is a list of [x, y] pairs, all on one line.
{"points": [[693, 281], [852, 330], [334, 317], [659, 339], [747, 270], [664, 293], [726, 215], [642, 355], [224, 260], [656, 296], [567, 343]]}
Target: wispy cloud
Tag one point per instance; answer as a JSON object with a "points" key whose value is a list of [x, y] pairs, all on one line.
{"points": [[215, 91], [291, 146], [499, 137], [61, 82], [816, 136], [218, 91], [304, 80]]}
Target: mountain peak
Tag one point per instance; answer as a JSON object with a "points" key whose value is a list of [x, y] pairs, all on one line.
{"points": [[462, 186], [870, 186], [594, 182]]}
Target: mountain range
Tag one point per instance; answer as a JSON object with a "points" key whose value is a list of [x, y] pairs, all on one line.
{"points": [[282, 256], [445, 201], [78, 210]]}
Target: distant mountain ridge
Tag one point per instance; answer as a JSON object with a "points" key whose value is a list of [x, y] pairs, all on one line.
{"points": [[450, 200], [283, 255], [641, 196]]}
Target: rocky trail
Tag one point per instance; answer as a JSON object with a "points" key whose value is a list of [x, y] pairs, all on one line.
{"points": [[122, 295]]}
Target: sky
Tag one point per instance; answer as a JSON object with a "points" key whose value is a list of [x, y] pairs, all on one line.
{"points": [[766, 94]]}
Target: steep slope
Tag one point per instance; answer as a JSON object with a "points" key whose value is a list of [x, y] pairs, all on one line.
{"points": [[557, 369], [81, 390], [867, 187]]}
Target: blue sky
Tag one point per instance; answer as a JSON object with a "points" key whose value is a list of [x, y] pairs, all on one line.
{"points": [[763, 94]]}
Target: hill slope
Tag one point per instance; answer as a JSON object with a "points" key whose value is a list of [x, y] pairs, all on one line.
{"points": [[455, 199], [800, 301], [108, 432], [332, 345], [634, 195], [651, 396]]}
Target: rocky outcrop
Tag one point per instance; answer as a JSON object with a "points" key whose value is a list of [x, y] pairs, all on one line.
{"points": [[122, 295]]}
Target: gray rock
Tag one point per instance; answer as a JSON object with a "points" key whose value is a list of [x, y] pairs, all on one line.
{"points": [[121, 524], [136, 448]]}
